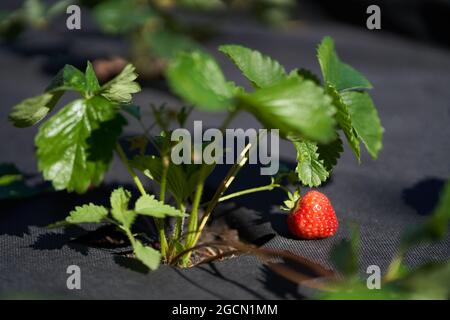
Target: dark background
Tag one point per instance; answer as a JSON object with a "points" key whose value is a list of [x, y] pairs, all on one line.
{"points": [[407, 62]]}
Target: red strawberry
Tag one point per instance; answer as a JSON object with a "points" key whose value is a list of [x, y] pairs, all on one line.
{"points": [[313, 217]]}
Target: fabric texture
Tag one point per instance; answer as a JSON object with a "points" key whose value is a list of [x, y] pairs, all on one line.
{"points": [[384, 197]]}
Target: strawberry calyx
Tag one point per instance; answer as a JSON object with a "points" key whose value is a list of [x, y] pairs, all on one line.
{"points": [[292, 202]]}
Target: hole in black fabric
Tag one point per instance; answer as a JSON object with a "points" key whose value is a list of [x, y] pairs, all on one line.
{"points": [[424, 195]]}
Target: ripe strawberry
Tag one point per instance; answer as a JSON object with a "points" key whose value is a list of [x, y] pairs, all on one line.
{"points": [[313, 217]]}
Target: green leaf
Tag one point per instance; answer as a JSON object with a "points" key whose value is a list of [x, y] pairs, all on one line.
{"points": [[435, 228], [13, 183], [148, 256], [167, 44], [336, 73], [147, 205], [122, 86], [354, 289], [152, 167], [63, 144], [330, 153], [88, 213], [33, 110], [261, 70], [33, 11], [344, 120], [92, 84], [305, 74], [120, 199], [57, 8], [198, 79], [68, 78], [365, 120], [122, 16], [9, 174], [30, 111], [344, 254], [428, 282], [310, 169], [296, 107]]}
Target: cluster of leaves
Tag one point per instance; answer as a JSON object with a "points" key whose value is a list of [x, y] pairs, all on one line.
{"points": [[307, 112], [120, 215], [429, 281], [75, 146]]}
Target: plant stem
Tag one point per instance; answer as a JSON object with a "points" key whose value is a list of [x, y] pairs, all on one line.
{"points": [[125, 161], [248, 191], [219, 192], [193, 218], [394, 267], [179, 223], [137, 181], [162, 196], [193, 230]]}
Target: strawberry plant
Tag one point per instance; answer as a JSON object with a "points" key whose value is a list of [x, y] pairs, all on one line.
{"points": [[75, 146]]}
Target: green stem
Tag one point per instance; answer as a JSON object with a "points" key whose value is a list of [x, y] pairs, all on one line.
{"points": [[162, 196], [394, 268], [193, 230], [219, 192], [248, 191], [125, 161], [179, 223], [137, 181], [193, 218]]}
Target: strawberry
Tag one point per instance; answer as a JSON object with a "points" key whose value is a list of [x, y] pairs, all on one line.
{"points": [[313, 217]]}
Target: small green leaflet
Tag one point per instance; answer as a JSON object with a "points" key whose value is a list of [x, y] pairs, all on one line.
{"points": [[167, 44], [122, 86], [88, 213], [63, 144], [148, 256], [365, 120], [344, 120], [296, 107], [261, 70], [122, 16], [92, 85], [310, 169], [198, 79], [336, 73], [30, 111], [330, 153], [13, 183], [147, 205], [68, 78], [120, 199]]}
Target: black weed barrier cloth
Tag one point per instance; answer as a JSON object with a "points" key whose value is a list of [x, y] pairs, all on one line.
{"points": [[411, 92]]}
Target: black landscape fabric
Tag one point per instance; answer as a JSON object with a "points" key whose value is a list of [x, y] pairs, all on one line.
{"points": [[385, 197]]}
